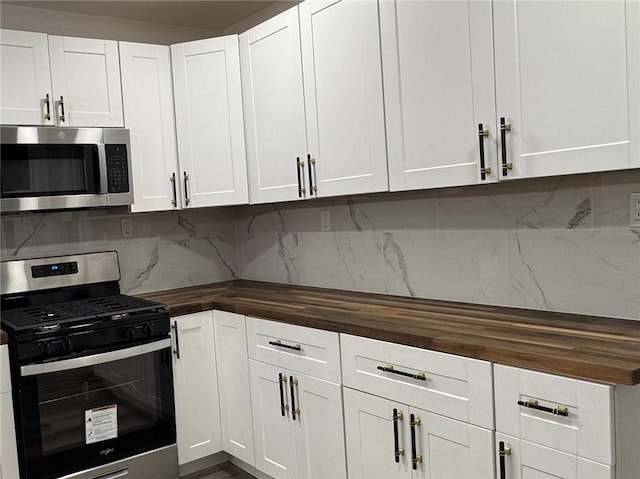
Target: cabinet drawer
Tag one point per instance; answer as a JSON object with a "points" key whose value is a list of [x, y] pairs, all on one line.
{"points": [[5, 377], [532, 406], [526, 459], [306, 350], [446, 384]]}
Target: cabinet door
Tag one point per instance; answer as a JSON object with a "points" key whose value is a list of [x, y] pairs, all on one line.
{"points": [[273, 433], [449, 448], [25, 80], [370, 434], [319, 428], [147, 92], [567, 80], [208, 101], [233, 380], [85, 76], [274, 109], [439, 86], [526, 460], [586, 428], [343, 96], [196, 387]]}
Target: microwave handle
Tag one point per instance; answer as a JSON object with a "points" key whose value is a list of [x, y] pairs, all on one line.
{"points": [[102, 164], [83, 361]]}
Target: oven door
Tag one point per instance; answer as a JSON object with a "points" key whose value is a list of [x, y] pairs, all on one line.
{"points": [[81, 412]]}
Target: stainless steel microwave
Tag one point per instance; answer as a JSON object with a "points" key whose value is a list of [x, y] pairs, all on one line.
{"points": [[45, 168]]}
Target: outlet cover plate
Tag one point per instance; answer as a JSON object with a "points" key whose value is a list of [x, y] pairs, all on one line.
{"points": [[127, 227], [634, 210], [325, 220]]}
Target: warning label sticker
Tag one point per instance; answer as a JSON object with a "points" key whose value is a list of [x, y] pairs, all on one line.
{"points": [[101, 423]]}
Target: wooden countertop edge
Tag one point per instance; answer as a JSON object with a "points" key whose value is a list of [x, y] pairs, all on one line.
{"points": [[569, 365], [4, 338]]}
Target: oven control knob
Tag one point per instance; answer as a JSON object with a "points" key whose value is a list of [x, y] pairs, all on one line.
{"points": [[131, 333], [148, 329], [67, 345], [44, 348]]}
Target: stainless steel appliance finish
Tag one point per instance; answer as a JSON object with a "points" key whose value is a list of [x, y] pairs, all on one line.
{"points": [[17, 275], [91, 371], [50, 139], [158, 464]]}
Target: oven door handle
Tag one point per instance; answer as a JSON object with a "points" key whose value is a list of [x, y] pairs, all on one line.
{"points": [[74, 363]]}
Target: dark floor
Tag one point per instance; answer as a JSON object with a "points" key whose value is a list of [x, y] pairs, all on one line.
{"points": [[222, 471]]}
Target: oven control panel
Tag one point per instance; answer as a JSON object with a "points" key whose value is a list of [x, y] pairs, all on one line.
{"points": [[57, 269], [114, 334]]}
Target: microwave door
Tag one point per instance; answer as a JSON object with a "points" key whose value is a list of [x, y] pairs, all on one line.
{"points": [[52, 176]]}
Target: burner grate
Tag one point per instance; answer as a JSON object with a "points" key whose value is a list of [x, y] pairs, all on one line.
{"points": [[75, 311]]}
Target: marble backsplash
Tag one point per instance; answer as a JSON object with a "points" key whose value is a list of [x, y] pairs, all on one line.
{"points": [[167, 250], [558, 244]]}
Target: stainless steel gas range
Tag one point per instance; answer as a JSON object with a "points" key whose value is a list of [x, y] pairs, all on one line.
{"points": [[91, 371]]}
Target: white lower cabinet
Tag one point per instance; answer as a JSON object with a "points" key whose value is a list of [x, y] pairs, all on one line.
{"points": [[387, 439], [196, 387], [298, 424], [520, 459], [233, 382], [8, 450], [554, 426]]}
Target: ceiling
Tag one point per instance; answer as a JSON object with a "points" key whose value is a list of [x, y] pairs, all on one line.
{"points": [[208, 14]]}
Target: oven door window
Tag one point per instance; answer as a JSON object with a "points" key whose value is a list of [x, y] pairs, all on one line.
{"points": [[49, 170], [82, 417]]}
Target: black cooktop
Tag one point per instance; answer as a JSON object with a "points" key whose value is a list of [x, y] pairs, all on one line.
{"points": [[66, 314]]}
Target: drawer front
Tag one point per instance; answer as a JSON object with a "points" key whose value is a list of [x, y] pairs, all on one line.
{"points": [[446, 384], [526, 460], [305, 350], [5, 377], [530, 405]]}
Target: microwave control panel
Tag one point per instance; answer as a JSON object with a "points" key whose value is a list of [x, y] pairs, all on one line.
{"points": [[117, 169]]}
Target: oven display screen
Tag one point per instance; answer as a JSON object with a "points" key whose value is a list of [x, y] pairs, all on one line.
{"points": [[45, 270]]}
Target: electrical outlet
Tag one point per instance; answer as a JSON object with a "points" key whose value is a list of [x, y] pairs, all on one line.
{"points": [[325, 220], [127, 227], [634, 209]]}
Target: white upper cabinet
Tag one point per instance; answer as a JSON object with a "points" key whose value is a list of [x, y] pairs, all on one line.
{"points": [[85, 78], [65, 81], [568, 83], [208, 103], [25, 79], [147, 92], [276, 137], [439, 87], [342, 70]]}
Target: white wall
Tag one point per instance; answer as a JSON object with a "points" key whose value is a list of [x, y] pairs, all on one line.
{"points": [[53, 22]]}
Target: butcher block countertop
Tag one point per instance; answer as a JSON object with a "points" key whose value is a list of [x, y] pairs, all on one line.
{"points": [[4, 339], [589, 347]]}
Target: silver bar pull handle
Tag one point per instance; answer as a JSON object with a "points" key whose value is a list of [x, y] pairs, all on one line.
{"points": [[186, 188], [177, 350], [47, 104], [62, 116], [174, 200]]}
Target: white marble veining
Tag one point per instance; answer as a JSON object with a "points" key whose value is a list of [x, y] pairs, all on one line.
{"points": [[611, 198], [592, 272], [459, 266], [167, 250], [558, 244], [563, 202]]}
